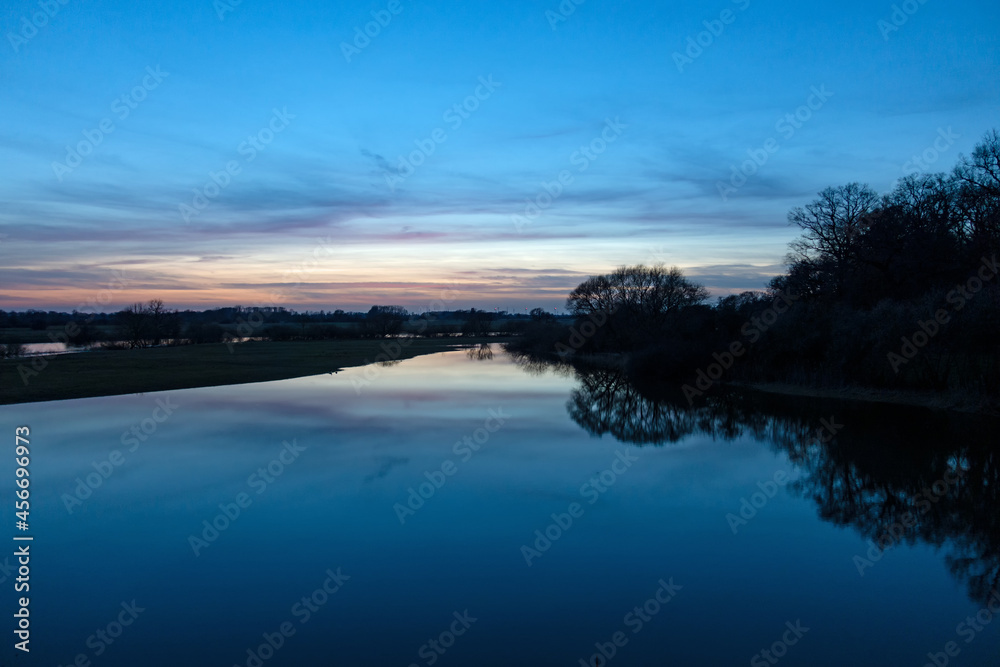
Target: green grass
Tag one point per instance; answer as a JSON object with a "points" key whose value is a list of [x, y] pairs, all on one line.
{"points": [[108, 373]]}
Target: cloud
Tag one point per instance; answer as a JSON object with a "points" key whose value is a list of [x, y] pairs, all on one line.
{"points": [[381, 163], [386, 464]]}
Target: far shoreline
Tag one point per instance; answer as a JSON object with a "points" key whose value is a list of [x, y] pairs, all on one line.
{"points": [[98, 373], [952, 401], [949, 401]]}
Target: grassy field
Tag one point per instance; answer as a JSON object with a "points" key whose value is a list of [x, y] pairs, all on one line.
{"points": [[107, 373]]}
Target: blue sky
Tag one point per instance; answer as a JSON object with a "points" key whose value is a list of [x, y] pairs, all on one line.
{"points": [[324, 215]]}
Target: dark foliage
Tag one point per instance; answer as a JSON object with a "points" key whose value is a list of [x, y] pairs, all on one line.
{"points": [[896, 291]]}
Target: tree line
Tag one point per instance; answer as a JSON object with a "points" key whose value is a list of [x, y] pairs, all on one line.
{"points": [[152, 323], [899, 290]]}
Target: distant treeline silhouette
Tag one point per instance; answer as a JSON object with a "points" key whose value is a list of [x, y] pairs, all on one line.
{"points": [[151, 323], [893, 291]]}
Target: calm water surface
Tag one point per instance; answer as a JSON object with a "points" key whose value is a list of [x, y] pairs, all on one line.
{"points": [[654, 499], [36, 349]]}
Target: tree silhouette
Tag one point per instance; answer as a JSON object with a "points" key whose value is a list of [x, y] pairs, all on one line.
{"points": [[876, 476], [636, 301], [384, 321]]}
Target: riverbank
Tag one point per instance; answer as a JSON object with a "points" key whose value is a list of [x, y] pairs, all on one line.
{"points": [[109, 373], [956, 402]]}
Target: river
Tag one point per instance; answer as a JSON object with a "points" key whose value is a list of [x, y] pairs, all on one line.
{"points": [[467, 508]]}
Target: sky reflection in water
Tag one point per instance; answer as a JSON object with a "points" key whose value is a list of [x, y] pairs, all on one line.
{"points": [[664, 517]]}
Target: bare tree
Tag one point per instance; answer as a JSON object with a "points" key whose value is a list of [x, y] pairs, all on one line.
{"points": [[541, 315], [383, 321], [134, 325], [833, 226], [979, 195], [157, 320], [146, 324], [983, 168], [477, 323], [636, 300], [650, 291]]}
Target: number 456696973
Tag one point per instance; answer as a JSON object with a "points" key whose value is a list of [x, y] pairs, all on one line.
{"points": [[23, 458]]}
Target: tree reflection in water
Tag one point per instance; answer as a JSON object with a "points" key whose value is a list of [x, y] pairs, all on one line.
{"points": [[897, 475], [482, 352]]}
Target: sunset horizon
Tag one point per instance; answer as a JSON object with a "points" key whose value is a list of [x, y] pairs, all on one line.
{"points": [[476, 164], [540, 332]]}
